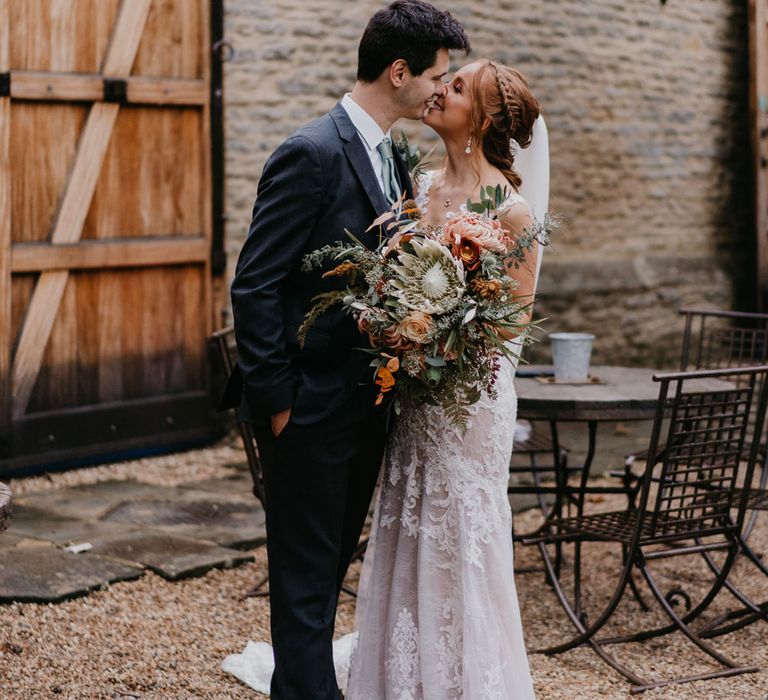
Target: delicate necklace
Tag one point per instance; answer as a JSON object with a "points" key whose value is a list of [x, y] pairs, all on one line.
{"points": [[447, 203]]}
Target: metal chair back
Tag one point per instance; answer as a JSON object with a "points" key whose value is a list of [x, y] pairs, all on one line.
{"points": [[698, 485], [714, 339], [224, 341]]}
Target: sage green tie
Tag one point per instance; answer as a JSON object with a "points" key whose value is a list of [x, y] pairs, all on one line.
{"points": [[389, 171]]}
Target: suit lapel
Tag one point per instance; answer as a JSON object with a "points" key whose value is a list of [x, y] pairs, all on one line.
{"points": [[361, 164], [358, 158]]}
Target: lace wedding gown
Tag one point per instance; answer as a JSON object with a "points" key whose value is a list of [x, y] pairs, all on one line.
{"points": [[437, 613]]}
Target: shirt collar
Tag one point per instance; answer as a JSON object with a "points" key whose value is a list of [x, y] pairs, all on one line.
{"points": [[365, 124]]}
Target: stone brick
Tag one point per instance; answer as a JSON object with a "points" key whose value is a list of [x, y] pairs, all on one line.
{"points": [[648, 118]]}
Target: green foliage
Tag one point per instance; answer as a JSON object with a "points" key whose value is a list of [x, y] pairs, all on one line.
{"points": [[538, 232], [491, 199], [412, 156], [321, 304]]}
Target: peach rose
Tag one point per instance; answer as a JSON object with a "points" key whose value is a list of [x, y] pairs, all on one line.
{"points": [[415, 326], [364, 320], [394, 339], [488, 234]]}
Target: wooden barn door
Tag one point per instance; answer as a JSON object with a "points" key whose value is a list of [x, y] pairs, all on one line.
{"points": [[105, 195]]}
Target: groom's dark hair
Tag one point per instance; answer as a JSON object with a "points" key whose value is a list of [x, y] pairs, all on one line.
{"points": [[409, 29]]}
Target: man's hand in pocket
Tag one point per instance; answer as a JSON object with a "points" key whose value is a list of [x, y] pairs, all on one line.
{"points": [[279, 421]]}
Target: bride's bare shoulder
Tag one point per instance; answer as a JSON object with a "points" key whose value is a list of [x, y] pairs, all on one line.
{"points": [[514, 213]]}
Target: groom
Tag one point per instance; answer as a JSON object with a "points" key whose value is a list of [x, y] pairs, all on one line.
{"points": [[319, 434]]}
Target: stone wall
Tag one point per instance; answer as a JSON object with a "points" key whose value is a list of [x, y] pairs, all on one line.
{"points": [[648, 120]]}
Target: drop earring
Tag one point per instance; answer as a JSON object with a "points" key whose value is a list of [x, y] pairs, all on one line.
{"points": [[468, 149]]}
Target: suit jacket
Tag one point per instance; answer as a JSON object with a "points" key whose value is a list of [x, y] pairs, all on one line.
{"points": [[317, 183]]}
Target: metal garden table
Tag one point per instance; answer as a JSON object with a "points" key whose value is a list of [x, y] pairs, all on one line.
{"points": [[623, 394]]}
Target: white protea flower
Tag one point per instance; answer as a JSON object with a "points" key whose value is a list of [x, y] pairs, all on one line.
{"points": [[430, 279]]}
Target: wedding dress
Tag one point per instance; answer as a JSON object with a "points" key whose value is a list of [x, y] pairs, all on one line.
{"points": [[437, 612]]}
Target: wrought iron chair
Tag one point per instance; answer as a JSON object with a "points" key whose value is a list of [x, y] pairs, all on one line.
{"points": [[535, 446], [224, 343], [712, 339], [718, 339], [529, 478], [687, 509]]}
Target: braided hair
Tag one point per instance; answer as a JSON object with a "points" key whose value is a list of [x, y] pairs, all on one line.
{"points": [[503, 108]]}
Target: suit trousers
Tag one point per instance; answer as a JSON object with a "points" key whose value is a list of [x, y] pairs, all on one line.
{"points": [[319, 480]]}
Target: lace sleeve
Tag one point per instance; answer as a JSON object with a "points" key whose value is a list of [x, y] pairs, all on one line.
{"points": [[423, 183]]}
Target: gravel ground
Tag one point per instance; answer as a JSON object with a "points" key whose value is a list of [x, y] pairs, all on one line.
{"points": [[163, 640]]}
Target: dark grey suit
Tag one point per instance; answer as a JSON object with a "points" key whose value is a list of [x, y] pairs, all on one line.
{"points": [[321, 471]]}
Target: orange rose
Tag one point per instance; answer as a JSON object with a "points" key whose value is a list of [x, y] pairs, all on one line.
{"points": [[468, 251], [415, 326]]}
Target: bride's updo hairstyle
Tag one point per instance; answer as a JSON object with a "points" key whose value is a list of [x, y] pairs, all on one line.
{"points": [[503, 108]]}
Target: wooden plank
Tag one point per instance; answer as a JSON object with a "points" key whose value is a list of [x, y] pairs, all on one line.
{"points": [[56, 385], [33, 85], [109, 321], [142, 189], [125, 38], [74, 208], [74, 87], [5, 36], [109, 254], [156, 91], [43, 147], [34, 337], [88, 294], [61, 35], [6, 311], [85, 173], [173, 37], [206, 185], [65, 435]]}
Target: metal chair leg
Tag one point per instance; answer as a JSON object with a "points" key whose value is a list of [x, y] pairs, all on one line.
{"points": [[751, 612], [689, 617], [633, 584], [732, 668], [586, 634], [255, 592]]}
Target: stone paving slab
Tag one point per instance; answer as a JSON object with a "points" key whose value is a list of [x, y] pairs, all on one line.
{"points": [[230, 522], [47, 575], [93, 500], [11, 540], [240, 486], [61, 529], [171, 557]]}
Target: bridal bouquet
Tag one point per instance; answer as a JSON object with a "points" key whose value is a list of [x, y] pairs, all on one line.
{"points": [[436, 302]]}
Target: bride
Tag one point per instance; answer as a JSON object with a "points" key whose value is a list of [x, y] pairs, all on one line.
{"points": [[437, 613]]}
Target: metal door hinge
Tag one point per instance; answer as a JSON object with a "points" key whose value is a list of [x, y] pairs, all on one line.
{"points": [[115, 90]]}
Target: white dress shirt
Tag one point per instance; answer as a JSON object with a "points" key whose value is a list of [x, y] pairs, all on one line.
{"points": [[370, 134]]}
